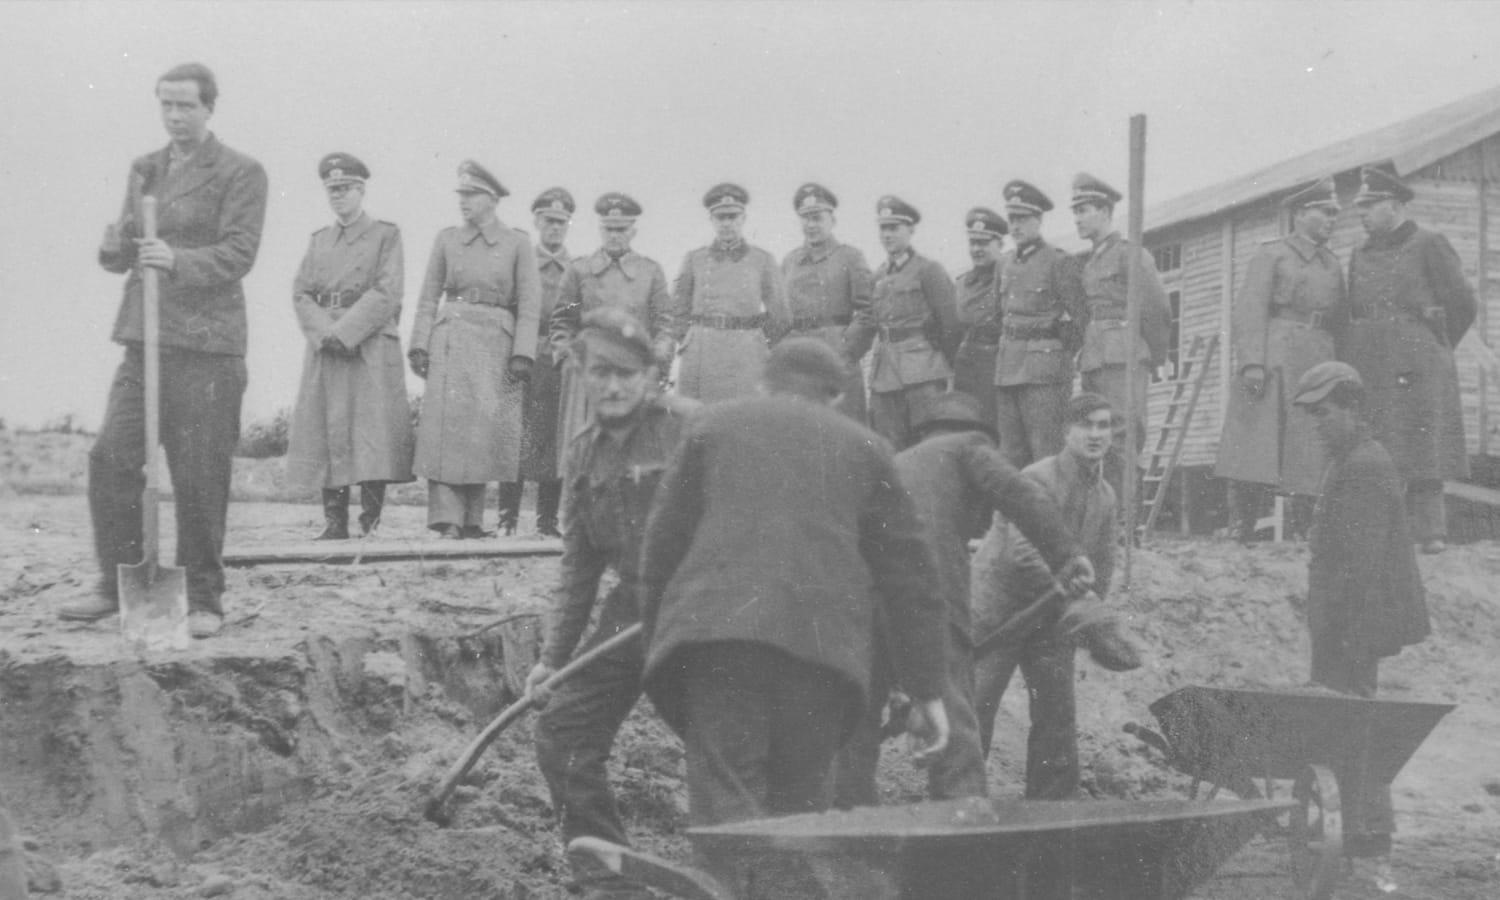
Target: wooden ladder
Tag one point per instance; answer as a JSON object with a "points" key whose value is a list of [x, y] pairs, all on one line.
{"points": [[1162, 457]]}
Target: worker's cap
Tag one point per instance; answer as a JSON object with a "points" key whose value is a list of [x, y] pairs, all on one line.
{"points": [[811, 198], [955, 410], [725, 196], [1377, 184], [1089, 189], [612, 334], [803, 362], [476, 179], [892, 210], [1024, 199], [1321, 194], [554, 203], [1319, 381], [615, 208], [1085, 404], [985, 223], [342, 168]]}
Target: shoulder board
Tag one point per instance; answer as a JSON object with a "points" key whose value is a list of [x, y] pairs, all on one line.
{"points": [[678, 405], [387, 224], [518, 230], [318, 231]]}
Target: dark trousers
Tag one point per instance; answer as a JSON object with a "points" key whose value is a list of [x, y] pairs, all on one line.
{"points": [[200, 424], [761, 728], [894, 414], [548, 497], [1369, 817], [1031, 419], [1046, 662]]}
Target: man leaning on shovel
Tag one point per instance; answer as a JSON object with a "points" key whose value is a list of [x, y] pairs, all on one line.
{"points": [[212, 203]]}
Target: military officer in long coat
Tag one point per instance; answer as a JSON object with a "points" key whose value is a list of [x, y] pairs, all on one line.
{"points": [[1286, 320], [828, 286], [473, 340], [352, 424], [728, 303], [1109, 357], [1411, 305], [978, 295], [613, 276], [1041, 314], [553, 213], [914, 328]]}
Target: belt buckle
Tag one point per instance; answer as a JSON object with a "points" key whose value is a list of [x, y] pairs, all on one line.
{"points": [[1315, 319]]}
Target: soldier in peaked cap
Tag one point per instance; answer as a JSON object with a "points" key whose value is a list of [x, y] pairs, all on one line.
{"points": [[474, 340], [552, 213], [729, 304], [1287, 318], [351, 424], [1109, 356], [1411, 305], [828, 287], [1041, 316], [613, 276], [914, 327], [978, 292]]}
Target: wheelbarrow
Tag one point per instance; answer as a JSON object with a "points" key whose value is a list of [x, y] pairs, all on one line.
{"points": [[1324, 743], [971, 849]]}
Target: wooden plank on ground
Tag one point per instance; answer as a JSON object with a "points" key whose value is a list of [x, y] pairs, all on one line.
{"points": [[387, 550]]}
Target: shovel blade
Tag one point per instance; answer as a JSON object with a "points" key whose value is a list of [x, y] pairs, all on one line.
{"points": [[153, 606]]}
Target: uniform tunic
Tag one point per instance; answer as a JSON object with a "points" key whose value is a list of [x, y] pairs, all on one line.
{"points": [[915, 318], [352, 422], [1411, 304], [1285, 320], [827, 289], [725, 302], [539, 410], [480, 304], [1106, 272], [978, 299]]}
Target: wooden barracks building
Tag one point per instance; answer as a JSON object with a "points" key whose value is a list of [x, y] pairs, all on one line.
{"points": [[1203, 242]]}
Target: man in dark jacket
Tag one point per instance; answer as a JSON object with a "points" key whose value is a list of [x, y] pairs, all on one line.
{"points": [[211, 204], [1364, 591], [613, 468], [778, 528]]}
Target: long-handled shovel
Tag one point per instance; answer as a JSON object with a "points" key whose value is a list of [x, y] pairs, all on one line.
{"points": [[436, 810], [153, 597]]}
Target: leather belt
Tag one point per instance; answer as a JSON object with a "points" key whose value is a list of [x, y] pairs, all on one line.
{"points": [[1310, 318], [731, 323], [1030, 331], [901, 332], [480, 296], [1107, 312], [337, 299], [808, 323], [985, 334]]}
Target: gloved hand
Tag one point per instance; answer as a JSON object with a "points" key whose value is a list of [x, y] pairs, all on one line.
{"points": [[1076, 576], [419, 363], [519, 368], [1253, 381], [535, 678]]}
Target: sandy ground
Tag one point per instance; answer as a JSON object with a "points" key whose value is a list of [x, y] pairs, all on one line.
{"points": [[1210, 612]]}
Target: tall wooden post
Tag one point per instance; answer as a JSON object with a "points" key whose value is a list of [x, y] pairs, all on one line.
{"points": [[1136, 278]]}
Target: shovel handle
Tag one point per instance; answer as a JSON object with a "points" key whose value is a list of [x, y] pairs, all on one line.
{"points": [[151, 331]]}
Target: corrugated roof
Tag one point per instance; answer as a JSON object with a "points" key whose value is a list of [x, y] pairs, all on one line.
{"points": [[1409, 145]]}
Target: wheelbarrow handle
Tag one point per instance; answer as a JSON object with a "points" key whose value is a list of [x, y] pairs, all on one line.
{"points": [[652, 871]]}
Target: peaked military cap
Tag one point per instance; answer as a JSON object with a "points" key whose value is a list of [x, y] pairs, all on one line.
{"points": [[616, 335], [956, 410], [985, 222], [1023, 199], [1088, 189], [474, 178], [554, 203], [726, 196], [1378, 184], [1319, 381], [892, 210], [806, 360], [1320, 193], [814, 198], [615, 208], [342, 168]]}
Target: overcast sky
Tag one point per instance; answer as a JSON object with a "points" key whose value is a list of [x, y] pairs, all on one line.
{"points": [[938, 103]]}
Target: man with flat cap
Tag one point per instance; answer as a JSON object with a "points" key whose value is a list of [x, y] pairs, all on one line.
{"points": [[1109, 357], [1286, 319], [473, 340], [211, 204], [552, 212], [914, 329], [828, 286], [728, 303], [1364, 591], [614, 466], [613, 276], [1041, 315], [978, 294], [1411, 305], [352, 423]]}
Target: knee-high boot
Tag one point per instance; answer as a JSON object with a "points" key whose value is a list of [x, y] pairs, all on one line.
{"points": [[335, 514], [371, 502]]}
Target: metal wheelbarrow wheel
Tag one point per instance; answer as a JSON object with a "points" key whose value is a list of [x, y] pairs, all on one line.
{"points": [[1316, 834]]}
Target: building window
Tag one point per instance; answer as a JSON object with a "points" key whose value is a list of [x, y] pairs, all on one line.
{"points": [[1168, 257], [1173, 368]]}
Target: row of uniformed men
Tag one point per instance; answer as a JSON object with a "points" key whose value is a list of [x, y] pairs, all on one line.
{"points": [[1010, 331]]}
